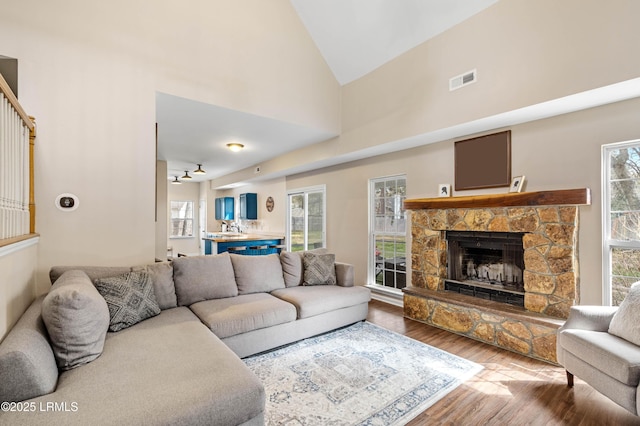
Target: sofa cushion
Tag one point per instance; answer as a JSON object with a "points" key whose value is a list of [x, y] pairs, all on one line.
{"points": [[293, 268], [162, 277], [612, 355], [236, 315], [77, 319], [27, 365], [315, 300], [319, 269], [130, 298], [257, 274], [167, 370], [626, 321], [199, 278]]}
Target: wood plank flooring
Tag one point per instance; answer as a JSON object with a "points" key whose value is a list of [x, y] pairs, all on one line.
{"points": [[511, 390]]}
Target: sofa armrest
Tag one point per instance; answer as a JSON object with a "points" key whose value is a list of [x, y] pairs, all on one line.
{"points": [[344, 274], [593, 318]]}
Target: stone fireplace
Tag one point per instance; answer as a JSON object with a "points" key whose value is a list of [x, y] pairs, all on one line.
{"points": [[547, 282]]}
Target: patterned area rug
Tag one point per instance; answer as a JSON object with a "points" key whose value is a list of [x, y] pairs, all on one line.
{"points": [[359, 375]]}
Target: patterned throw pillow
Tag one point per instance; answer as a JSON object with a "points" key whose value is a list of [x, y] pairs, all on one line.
{"points": [[319, 269], [130, 298]]}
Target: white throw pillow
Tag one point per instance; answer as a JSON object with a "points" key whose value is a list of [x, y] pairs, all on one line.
{"points": [[626, 321]]}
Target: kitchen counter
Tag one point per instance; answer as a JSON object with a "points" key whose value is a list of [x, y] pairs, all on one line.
{"points": [[223, 237], [247, 244]]}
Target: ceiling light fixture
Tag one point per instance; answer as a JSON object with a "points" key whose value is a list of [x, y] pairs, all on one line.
{"points": [[186, 175], [235, 147], [199, 170], [176, 181]]}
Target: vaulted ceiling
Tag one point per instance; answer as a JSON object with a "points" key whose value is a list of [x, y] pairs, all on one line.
{"points": [[354, 36]]}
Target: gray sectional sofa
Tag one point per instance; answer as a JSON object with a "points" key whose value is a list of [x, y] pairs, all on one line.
{"points": [[184, 327]]}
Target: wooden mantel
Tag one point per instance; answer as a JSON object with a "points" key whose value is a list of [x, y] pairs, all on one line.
{"points": [[560, 197]]}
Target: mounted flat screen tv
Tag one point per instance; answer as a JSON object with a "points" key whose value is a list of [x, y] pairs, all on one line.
{"points": [[483, 162]]}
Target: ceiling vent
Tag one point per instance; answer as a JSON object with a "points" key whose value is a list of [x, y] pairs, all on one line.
{"points": [[463, 80]]}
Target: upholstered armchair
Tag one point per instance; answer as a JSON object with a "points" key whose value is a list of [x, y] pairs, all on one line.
{"points": [[601, 345]]}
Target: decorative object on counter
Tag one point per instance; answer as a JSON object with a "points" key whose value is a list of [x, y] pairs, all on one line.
{"points": [[516, 184], [444, 190], [199, 170], [270, 204]]}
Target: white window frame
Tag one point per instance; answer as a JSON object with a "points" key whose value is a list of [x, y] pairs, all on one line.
{"points": [[192, 218], [607, 242], [371, 264], [306, 191]]}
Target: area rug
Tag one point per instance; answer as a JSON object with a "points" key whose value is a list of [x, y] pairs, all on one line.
{"points": [[358, 375]]}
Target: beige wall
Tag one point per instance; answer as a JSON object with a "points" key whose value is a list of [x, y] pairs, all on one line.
{"points": [[161, 209], [557, 153], [17, 281], [90, 78], [584, 45]]}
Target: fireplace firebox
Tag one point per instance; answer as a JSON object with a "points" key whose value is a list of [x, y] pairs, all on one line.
{"points": [[488, 265]]}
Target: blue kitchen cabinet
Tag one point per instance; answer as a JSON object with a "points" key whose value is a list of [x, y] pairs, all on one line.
{"points": [[249, 206], [224, 208]]}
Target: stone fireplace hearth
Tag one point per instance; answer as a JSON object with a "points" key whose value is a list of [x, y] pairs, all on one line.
{"points": [[549, 223]]}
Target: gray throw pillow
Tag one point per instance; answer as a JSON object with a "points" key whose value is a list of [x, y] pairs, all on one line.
{"points": [[76, 318], [130, 298], [626, 321], [292, 266], [161, 274], [257, 274], [199, 278], [319, 269]]}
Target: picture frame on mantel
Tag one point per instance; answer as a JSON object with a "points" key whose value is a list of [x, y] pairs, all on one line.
{"points": [[444, 190], [516, 184], [483, 162]]}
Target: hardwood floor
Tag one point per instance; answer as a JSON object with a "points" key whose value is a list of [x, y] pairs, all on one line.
{"points": [[511, 390]]}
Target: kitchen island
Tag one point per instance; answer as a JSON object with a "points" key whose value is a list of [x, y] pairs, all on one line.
{"points": [[247, 244]]}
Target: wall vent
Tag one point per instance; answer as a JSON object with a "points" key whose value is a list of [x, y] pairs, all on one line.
{"points": [[463, 80]]}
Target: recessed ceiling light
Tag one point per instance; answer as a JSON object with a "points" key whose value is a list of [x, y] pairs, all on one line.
{"points": [[235, 147]]}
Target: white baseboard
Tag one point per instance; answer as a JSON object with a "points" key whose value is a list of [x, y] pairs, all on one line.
{"points": [[390, 298]]}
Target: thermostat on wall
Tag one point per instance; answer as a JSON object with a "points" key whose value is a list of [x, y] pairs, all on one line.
{"points": [[67, 202]]}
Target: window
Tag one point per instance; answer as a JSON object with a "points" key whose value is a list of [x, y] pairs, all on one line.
{"points": [[387, 233], [621, 219], [181, 219], [306, 219]]}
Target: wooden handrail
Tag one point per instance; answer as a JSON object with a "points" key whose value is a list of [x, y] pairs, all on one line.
{"points": [[32, 192], [8, 93], [30, 123]]}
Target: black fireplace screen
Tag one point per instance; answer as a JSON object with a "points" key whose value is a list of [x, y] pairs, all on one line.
{"points": [[489, 260]]}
